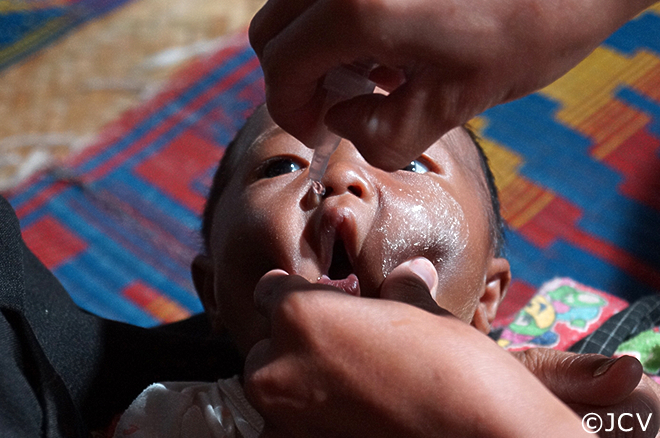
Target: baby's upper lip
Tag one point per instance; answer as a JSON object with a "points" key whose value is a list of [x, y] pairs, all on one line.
{"points": [[337, 224]]}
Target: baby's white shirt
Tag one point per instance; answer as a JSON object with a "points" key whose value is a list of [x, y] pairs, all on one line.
{"points": [[191, 409]]}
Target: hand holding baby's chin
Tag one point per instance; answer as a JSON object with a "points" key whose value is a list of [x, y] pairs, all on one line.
{"points": [[343, 366], [587, 383]]}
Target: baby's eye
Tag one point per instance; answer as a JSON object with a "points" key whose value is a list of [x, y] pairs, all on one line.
{"points": [[279, 166], [416, 166]]}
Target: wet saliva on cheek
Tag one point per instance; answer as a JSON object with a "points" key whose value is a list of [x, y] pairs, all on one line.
{"points": [[421, 221]]}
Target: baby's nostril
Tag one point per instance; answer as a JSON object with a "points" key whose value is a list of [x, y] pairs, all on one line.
{"points": [[328, 192], [356, 190]]}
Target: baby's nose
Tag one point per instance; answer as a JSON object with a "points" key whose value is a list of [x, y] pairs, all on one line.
{"points": [[346, 173]]}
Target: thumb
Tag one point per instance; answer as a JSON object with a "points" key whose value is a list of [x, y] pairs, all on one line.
{"points": [[413, 282], [591, 379], [392, 130], [389, 131]]}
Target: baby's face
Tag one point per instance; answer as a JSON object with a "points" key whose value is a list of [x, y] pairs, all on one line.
{"points": [[368, 222]]}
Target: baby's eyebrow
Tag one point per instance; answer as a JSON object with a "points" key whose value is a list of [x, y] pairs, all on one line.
{"points": [[268, 133]]}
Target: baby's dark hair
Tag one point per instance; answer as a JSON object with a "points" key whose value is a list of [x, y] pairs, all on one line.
{"points": [[496, 222], [231, 156], [220, 180]]}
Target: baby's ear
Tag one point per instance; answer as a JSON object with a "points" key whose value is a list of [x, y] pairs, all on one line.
{"points": [[203, 279], [498, 278]]}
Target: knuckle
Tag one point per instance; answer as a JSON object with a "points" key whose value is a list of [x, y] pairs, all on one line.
{"points": [[308, 322], [365, 18], [256, 32], [272, 389], [260, 387], [294, 311], [534, 359], [567, 361], [351, 11]]}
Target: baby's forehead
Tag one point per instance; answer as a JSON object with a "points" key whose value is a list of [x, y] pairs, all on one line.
{"points": [[260, 125], [257, 130], [463, 149]]}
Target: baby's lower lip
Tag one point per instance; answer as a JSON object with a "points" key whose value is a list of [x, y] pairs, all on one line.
{"points": [[350, 284]]}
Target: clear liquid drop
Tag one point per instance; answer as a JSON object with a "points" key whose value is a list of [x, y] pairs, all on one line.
{"points": [[318, 188]]}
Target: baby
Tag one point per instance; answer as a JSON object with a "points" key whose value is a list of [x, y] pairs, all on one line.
{"points": [[373, 234], [261, 215]]}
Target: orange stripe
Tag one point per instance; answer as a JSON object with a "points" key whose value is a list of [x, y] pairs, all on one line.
{"points": [[166, 310]]}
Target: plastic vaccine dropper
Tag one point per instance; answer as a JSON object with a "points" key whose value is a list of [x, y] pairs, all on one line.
{"points": [[342, 83]]}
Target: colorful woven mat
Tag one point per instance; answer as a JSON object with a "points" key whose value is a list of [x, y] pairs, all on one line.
{"points": [[28, 25], [577, 165], [119, 224]]}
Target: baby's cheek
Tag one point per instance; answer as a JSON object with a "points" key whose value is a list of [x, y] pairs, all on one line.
{"points": [[276, 218], [458, 304], [462, 285], [424, 222]]}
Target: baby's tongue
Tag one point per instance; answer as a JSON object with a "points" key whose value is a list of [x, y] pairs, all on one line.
{"points": [[350, 284]]}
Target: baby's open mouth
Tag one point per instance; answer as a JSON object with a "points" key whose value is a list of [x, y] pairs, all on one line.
{"points": [[340, 267], [340, 272]]}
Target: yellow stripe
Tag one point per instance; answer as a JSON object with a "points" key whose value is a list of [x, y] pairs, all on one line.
{"points": [[532, 210], [527, 195], [519, 195], [587, 88]]}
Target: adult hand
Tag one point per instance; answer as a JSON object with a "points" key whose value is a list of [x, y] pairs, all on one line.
{"points": [[444, 61], [343, 366], [588, 383], [592, 383]]}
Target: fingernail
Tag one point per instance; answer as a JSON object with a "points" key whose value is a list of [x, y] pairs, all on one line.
{"points": [[604, 367], [424, 269], [277, 272]]}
